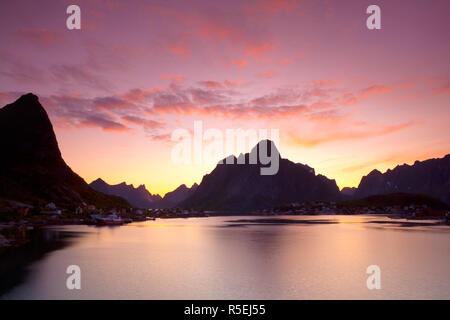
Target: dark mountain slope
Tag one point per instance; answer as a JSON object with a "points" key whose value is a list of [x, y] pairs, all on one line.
{"points": [[31, 166]]}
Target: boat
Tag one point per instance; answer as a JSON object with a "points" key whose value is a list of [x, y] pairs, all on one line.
{"points": [[108, 220]]}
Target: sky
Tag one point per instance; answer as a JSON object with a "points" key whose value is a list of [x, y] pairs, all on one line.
{"points": [[345, 99]]}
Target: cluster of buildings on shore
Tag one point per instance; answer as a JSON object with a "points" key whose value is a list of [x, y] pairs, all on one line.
{"points": [[305, 208], [51, 212], [330, 208], [175, 213], [51, 209]]}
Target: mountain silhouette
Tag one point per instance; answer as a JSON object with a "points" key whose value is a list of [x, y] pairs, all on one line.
{"points": [[174, 198], [31, 166], [138, 197], [240, 187], [430, 177]]}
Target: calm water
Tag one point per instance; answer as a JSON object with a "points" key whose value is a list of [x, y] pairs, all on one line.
{"points": [[320, 257]]}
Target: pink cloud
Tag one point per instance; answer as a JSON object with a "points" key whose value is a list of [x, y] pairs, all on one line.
{"points": [[269, 74], [173, 77], [285, 61], [137, 95], [212, 84], [329, 134], [81, 74], [442, 89], [258, 50], [105, 124], [347, 99], [320, 83], [216, 30], [20, 71], [73, 111], [180, 49], [40, 37], [240, 62], [109, 103], [160, 137], [146, 123], [235, 83], [224, 84], [374, 90], [276, 6]]}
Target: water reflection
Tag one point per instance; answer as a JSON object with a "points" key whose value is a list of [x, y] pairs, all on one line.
{"points": [[289, 257], [14, 264], [319, 221]]}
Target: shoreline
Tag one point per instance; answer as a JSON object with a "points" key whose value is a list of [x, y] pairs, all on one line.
{"points": [[15, 234]]}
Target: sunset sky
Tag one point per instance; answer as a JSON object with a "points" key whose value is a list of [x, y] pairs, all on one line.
{"points": [[345, 99]]}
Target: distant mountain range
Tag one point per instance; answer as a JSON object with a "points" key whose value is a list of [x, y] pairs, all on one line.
{"points": [[140, 197], [33, 170], [31, 167], [175, 197], [430, 177]]}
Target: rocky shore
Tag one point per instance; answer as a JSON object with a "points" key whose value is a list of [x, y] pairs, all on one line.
{"points": [[13, 235]]}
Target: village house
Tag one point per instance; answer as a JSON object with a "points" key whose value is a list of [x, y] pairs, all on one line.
{"points": [[51, 209]]}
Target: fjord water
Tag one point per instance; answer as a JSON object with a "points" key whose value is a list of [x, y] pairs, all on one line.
{"points": [[302, 257]]}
